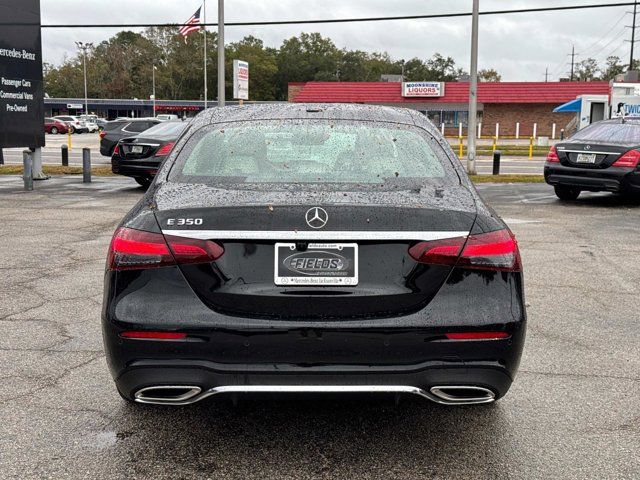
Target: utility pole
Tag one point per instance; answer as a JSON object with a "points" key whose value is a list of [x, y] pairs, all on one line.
{"points": [[221, 99], [633, 34], [153, 77], [204, 36], [573, 61], [546, 74], [473, 92], [83, 47]]}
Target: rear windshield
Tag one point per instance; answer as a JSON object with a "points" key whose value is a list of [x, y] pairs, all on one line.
{"points": [[303, 152], [610, 132], [167, 128]]}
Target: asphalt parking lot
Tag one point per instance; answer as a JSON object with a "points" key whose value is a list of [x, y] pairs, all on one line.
{"points": [[573, 411]]}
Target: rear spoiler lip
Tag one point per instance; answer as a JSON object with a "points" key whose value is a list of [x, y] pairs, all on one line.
{"points": [[423, 236]]}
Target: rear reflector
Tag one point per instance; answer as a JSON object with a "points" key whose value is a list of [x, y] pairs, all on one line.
{"points": [[135, 249], [146, 335], [165, 149], [476, 335], [487, 251], [628, 160], [552, 156]]}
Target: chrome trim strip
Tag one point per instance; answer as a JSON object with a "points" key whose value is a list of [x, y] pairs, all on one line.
{"points": [[249, 389], [312, 235], [487, 396], [192, 392], [141, 144], [589, 151]]}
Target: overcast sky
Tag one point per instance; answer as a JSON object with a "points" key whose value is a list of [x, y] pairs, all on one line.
{"points": [[519, 46]]}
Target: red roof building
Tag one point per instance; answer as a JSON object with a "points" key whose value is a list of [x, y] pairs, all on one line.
{"points": [[505, 103]]}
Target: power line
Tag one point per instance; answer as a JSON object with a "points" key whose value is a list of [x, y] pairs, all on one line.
{"points": [[343, 20], [596, 43]]}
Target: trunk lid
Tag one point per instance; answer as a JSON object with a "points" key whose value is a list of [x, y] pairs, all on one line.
{"points": [[595, 155], [248, 224]]}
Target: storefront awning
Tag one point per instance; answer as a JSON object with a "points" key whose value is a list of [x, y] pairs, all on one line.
{"points": [[572, 106]]}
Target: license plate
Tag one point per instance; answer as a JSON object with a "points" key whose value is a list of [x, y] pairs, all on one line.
{"points": [[586, 158], [136, 149], [319, 264]]}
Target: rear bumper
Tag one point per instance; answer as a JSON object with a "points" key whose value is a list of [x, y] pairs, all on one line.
{"points": [[139, 168], [611, 179]]}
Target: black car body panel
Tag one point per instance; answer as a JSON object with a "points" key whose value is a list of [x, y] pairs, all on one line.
{"points": [[602, 174], [240, 328], [113, 132]]}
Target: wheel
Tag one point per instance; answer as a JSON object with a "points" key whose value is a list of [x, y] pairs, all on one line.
{"points": [[145, 182], [53, 131], [71, 129], [566, 193]]}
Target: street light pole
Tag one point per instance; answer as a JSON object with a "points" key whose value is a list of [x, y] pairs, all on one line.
{"points": [[84, 47], [221, 99], [153, 77], [473, 92]]}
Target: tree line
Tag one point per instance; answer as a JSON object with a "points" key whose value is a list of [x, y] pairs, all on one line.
{"points": [[589, 69], [121, 67]]}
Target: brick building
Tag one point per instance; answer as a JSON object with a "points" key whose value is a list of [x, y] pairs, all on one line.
{"points": [[505, 103]]}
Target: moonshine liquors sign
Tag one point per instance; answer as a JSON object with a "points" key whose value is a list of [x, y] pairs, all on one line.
{"points": [[21, 90], [240, 80], [423, 89]]}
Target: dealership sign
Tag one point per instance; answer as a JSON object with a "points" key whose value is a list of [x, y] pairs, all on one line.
{"points": [[21, 91], [422, 89], [240, 80]]}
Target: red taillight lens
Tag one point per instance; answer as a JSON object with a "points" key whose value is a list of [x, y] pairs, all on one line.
{"points": [[102, 134], [476, 335], [629, 160], [552, 156], [147, 335], [488, 251], [135, 249], [165, 149], [116, 151]]}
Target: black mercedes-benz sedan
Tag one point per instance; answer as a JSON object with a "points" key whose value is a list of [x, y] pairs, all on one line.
{"points": [[302, 248], [140, 156], [601, 157]]}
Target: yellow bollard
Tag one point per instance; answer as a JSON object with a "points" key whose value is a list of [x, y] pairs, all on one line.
{"points": [[495, 144], [530, 148], [69, 138], [460, 147]]}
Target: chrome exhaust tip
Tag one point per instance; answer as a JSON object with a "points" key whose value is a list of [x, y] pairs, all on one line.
{"points": [[462, 394], [168, 394]]}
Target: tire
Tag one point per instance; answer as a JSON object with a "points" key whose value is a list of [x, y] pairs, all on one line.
{"points": [[71, 129], [142, 181], [566, 193], [53, 130]]}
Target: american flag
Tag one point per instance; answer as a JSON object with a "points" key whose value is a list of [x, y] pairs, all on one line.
{"points": [[191, 25]]}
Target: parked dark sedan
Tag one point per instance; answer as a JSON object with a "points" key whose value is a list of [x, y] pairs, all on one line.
{"points": [[301, 248], [140, 156], [115, 131], [601, 157]]}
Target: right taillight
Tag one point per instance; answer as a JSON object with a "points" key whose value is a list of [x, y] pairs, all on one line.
{"points": [[552, 156], [629, 159], [487, 251], [135, 249]]}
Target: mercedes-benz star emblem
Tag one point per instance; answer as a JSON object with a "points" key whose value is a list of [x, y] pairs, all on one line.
{"points": [[316, 217], [587, 147]]}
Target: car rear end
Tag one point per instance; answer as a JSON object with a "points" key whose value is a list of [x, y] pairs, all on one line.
{"points": [[602, 157], [140, 156], [275, 286]]}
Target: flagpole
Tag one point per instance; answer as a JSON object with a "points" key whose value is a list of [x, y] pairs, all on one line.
{"points": [[204, 21], [221, 53]]}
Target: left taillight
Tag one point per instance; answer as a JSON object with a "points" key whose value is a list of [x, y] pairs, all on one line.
{"points": [[629, 159], [486, 251], [116, 150], [134, 249], [552, 156], [165, 149]]}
